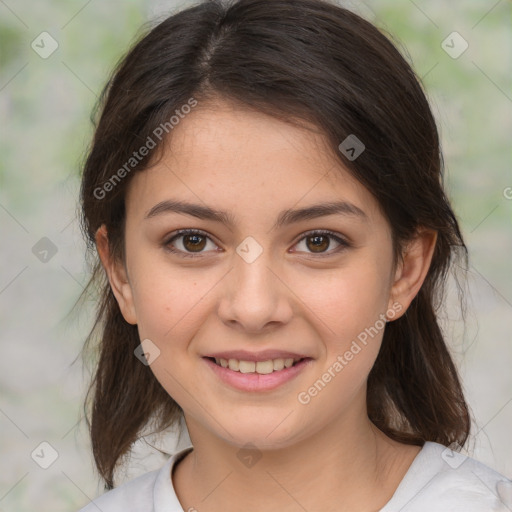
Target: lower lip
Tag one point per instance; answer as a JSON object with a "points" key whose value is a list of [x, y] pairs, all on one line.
{"points": [[255, 381]]}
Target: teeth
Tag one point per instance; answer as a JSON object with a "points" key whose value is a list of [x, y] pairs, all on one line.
{"points": [[246, 366], [264, 367], [279, 364], [261, 367]]}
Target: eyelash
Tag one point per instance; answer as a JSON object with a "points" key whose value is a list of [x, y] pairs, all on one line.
{"points": [[183, 232]]}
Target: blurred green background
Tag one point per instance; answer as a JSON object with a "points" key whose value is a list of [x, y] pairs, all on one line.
{"points": [[45, 105]]}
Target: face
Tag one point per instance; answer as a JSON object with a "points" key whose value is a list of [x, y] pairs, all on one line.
{"points": [[257, 279]]}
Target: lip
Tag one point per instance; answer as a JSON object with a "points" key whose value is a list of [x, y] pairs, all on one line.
{"points": [[264, 355], [255, 381]]}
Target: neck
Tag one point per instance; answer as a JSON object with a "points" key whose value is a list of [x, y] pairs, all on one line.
{"points": [[349, 465]]}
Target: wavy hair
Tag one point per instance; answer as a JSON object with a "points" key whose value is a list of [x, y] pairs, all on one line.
{"points": [[296, 60]]}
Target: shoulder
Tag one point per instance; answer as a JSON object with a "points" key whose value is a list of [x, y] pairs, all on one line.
{"points": [[137, 494], [150, 492], [447, 481], [468, 483]]}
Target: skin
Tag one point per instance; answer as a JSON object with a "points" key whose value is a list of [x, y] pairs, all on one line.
{"points": [[324, 455]]}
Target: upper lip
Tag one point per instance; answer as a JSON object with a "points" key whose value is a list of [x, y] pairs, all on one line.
{"points": [[264, 355]]}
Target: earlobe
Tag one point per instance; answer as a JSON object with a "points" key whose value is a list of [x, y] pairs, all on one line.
{"points": [[117, 276], [412, 270]]}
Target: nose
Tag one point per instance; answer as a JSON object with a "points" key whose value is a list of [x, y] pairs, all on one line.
{"points": [[255, 298]]}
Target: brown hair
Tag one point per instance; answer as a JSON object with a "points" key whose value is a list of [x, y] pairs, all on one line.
{"points": [[296, 60]]}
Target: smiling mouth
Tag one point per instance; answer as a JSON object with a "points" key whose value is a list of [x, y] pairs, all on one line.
{"points": [[260, 367]]}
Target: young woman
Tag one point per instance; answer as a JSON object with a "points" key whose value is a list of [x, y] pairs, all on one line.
{"points": [[264, 191]]}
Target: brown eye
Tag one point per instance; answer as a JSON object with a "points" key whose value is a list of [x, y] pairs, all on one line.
{"points": [[194, 243], [188, 243], [317, 242]]}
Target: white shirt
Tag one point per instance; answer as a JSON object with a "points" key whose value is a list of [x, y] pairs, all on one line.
{"points": [[438, 480]]}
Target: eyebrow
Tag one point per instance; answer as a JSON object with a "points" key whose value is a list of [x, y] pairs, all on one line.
{"points": [[285, 218]]}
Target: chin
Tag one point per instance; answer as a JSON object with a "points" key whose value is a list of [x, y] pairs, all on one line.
{"points": [[267, 434]]}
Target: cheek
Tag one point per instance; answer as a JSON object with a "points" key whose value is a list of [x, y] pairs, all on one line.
{"points": [[346, 309], [170, 305], [168, 302], [160, 296], [344, 302]]}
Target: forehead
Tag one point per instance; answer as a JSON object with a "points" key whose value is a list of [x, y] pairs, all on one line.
{"points": [[246, 162]]}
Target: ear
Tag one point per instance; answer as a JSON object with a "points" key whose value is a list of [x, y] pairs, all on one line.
{"points": [[412, 269], [117, 276]]}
